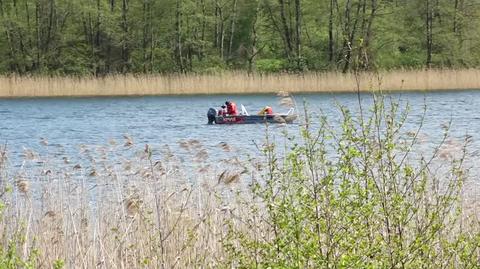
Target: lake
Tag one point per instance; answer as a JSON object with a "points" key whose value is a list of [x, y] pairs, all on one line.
{"points": [[71, 123]]}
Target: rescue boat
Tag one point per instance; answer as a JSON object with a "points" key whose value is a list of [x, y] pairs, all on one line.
{"points": [[245, 118]]}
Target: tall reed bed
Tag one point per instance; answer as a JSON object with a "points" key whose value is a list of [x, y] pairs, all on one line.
{"points": [[234, 82], [135, 212], [352, 194]]}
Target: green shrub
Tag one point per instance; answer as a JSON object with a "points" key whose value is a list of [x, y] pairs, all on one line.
{"points": [[10, 258], [270, 65], [359, 196]]}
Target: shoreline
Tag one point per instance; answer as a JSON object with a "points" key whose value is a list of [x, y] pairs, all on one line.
{"points": [[12, 87]]}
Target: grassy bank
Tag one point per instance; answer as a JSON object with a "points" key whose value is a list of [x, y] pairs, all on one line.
{"points": [[240, 83]]}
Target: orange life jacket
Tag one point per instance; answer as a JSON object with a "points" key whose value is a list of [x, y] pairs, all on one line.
{"points": [[268, 110]]}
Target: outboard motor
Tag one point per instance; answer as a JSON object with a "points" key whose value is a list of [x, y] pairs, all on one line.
{"points": [[211, 114]]}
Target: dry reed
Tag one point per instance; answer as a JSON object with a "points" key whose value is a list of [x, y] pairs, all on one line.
{"points": [[146, 216], [137, 213], [239, 83]]}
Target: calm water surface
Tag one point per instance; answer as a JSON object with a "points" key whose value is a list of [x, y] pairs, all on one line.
{"points": [[69, 123]]}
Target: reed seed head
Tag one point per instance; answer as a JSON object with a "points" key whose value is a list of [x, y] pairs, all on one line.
{"points": [[225, 146], [50, 214], [132, 205], [128, 140], [127, 165], [93, 173], [228, 177], [184, 144], [232, 178], [29, 154], [23, 186]]}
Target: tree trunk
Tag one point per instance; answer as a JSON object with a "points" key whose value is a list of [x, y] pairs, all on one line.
{"points": [[253, 51], [368, 37], [152, 44], [345, 31], [97, 25], [351, 37], [38, 64], [232, 27], [298, 33], [145, 35], [30, 43], [125, 42], [455, 16], [217, 27], [429, 31], [90, 40], [331, 51], [222, 33], [97, 40], [204, 25], [188, 54], [286, 29], [178, 34], [23, 51], [367, 33], [50, 30]]}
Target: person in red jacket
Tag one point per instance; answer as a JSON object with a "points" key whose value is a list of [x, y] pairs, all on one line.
{"points": [[231, 108]]}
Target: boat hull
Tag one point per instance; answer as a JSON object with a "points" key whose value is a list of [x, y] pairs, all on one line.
{"points": [[252, 119]]}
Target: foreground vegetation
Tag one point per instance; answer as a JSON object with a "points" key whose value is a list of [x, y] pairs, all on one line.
{"points": [[70, 37], [355, 194], [237, 83]]}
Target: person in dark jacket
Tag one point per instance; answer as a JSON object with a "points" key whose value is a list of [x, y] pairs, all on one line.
{"points": [[222, 111]]}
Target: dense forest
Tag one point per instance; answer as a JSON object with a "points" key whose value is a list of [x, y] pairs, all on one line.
{"points": [[98, 37]]}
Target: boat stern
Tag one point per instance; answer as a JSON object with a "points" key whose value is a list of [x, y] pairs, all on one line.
{"points": [[211, 115]]}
